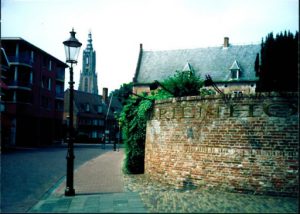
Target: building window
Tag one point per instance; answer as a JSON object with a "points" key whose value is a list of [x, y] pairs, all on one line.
{"points": [[95, 122], [87, 60], [49, 84], [31, 77], [32, 56], [50, 65], [94, 134], [100, 122], [59, 89], [99, 109], [237, 93], [87, 107], [44, 82], [235, 74]]}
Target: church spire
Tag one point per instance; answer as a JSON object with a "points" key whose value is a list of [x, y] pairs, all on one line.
{"points": [[88, 76], [90, 40]]}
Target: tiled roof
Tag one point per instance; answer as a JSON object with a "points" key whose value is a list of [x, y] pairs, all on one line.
{"points": [[235, 66], [215, 61], [81, 99]]}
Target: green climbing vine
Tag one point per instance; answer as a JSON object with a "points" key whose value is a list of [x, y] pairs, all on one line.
{"points": [[138, 109]]}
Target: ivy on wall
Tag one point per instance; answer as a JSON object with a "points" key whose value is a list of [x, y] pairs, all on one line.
{"points": [[138, 109]]}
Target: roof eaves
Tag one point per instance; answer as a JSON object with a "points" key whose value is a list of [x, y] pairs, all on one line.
{"points": [[35, 47]]}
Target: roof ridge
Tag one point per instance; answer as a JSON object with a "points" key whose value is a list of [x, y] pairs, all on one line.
{"points": [[197, 48]]}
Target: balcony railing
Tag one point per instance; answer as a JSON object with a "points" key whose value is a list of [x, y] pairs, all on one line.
{"points": [[20, 85], [21, 59], [59, 96]]}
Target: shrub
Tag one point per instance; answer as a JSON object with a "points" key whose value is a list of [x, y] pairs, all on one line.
{"points": [[184, 83], [137, 110], [133, 120]]}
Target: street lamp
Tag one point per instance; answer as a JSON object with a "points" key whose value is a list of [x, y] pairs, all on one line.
{"points": [[72, 47]]}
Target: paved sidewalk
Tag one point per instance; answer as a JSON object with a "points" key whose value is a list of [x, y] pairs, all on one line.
{"points": [[99, 187]]}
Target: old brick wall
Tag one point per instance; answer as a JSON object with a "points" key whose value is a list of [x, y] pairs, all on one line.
{"points": [[244, 144]]}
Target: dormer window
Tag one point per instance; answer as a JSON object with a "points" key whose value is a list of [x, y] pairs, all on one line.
{"points": [[234, 74], [235, 70], [187, 67]]}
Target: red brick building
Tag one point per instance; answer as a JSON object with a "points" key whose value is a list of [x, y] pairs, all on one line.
{"points": [[34, 96]]}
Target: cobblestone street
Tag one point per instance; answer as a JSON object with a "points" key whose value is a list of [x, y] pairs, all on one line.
{"points": [[159, 198]]}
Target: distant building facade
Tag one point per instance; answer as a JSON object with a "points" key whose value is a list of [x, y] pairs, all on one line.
{"points": [[33, 96], [230, 66], [94, 119], [88, 75]]}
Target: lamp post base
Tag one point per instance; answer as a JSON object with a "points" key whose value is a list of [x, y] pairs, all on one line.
{"points": [[69, 192]]}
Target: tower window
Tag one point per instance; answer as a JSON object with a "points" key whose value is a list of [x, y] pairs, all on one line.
{"points": [[86, 84], [87, 60]]}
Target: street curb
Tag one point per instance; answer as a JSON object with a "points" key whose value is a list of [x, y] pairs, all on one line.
{"points": [[53, 188]]}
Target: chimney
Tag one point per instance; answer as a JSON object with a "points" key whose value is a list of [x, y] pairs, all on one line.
{"points": [[226, 42], [105, 95]]}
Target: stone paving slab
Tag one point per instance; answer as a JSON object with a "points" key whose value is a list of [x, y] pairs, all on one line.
{"points": [[99, 175], [99, 187], [128, 202]]}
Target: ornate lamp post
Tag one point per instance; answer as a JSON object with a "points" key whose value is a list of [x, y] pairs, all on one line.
{"points": [[72, 47]]}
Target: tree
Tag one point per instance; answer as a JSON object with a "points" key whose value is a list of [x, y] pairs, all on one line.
{"points": [[279, 63], [184, 83], [256, 64], [123, 93]]}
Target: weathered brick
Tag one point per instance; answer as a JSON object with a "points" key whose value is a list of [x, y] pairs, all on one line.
{"points": [[226, 143]]}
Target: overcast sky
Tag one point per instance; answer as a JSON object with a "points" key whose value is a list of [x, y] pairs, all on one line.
{"points": [[119, 26]]}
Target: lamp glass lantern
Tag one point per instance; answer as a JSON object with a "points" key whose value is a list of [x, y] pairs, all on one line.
{"points": [[72, 47]]}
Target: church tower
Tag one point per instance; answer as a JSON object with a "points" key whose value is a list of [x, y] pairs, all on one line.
{"points": [[88, 76]]}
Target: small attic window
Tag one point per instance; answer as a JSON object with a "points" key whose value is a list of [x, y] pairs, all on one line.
{"points": [[235, 74], [187, 67], [235, 70]]}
